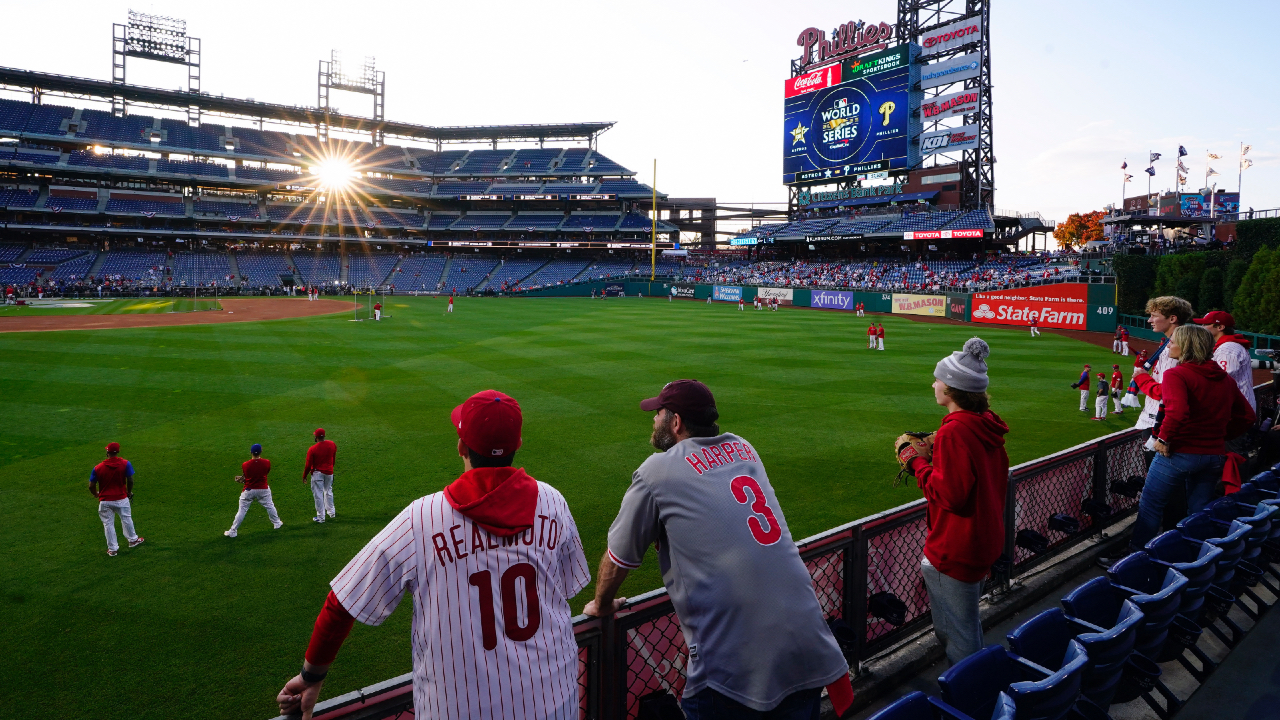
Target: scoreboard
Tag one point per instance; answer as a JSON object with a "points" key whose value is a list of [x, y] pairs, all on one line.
{"points": [[852, 118]]}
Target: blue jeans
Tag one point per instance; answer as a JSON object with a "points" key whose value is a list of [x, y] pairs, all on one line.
{"points": [[711, 705], [1198, 474]]}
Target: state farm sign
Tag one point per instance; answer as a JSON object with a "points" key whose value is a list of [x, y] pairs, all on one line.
{"points": [[1056, 306], [814, 81]]}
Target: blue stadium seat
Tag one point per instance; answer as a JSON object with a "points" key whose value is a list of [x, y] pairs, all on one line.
{"points": [[913, 706], [1157, 591], [1195, 559], [971, 689], [1107, 624], [1230, 538]]}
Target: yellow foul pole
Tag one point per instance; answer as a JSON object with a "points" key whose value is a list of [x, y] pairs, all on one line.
{"points": [[653, 247]]}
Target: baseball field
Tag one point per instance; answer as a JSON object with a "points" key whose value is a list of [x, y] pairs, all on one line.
{"points": [[195, 624]]}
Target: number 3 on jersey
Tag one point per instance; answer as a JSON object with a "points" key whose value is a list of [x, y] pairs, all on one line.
{"points": [[759, 506], [482, 581]]}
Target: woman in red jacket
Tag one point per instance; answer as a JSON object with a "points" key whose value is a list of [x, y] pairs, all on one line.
{"points": [[963, 473], [1203, 409]]}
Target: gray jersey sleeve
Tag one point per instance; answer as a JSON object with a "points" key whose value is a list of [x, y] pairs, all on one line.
{"points": [[636, 526]]}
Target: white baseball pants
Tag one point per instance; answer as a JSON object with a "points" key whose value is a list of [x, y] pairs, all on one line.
{"points": [[871, 342], [377, 314], [1035, 332], [879, 343], [1125, 345], [1100, 407], [322, 492], [1116, 399], [1115, 346], [107, 511], [450, 307], [263, 498], [1084, 400]]}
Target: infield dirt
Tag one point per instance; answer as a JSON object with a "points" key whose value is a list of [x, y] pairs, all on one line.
{"points": [[233, 310]]}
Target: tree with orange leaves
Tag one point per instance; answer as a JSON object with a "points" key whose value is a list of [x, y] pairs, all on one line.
{"points": [[1079, 229]]}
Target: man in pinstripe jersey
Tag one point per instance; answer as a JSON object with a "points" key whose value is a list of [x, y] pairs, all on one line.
{"points": [[491, 561]]}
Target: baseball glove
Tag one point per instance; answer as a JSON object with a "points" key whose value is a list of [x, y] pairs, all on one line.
{"points": [[910, 446]]}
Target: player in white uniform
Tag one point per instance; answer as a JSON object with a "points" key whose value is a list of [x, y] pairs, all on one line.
{"points": [[1165, 315], [1231, 352], [491, 562]]}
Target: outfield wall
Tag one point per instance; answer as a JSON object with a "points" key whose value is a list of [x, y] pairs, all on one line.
{"points": [[1067, 306]]}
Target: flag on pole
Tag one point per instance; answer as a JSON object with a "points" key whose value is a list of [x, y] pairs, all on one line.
{"points": [[1151, 171], [1246, 164], [1124, 165], [1245, 150], [1182, 152], [1181, 167], [1128, 177], [1182, 179], [1214, 157], [1211, 172], [1154, 157]]}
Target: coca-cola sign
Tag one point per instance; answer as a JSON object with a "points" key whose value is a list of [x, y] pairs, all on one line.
{"points": [[851, 38], [814, 81]]}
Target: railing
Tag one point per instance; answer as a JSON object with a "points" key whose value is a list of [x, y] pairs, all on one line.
{"points": [[1143, 330], [866, 573]]}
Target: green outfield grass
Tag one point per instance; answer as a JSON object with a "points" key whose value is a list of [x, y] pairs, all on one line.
{"points": [[194, 624], [124, 306]]}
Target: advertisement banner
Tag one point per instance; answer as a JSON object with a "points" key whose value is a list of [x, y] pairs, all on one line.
{"points": [[727, 294], [951, 36], [684, 291], [964, 137], [782, 295], [1197, 205], [863, 124], [935, 305], [958, 307], [612, 290], [834, 300], [813, 81], [940, 234], [1056, 306], [953, 105], [945, 72]]}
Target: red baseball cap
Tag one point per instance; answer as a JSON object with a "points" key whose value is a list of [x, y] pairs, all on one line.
{"points": [[113, 447], [1217, 317], [689, 399], [319, 432], [489, 423]]}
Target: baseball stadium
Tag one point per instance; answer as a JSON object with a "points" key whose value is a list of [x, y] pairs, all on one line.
{"points": [[196, 283]]}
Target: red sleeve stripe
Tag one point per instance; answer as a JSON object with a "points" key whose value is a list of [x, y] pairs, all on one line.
{"points": [[622, 563]]}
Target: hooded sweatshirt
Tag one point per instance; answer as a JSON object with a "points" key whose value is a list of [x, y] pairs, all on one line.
{"points": [[965, 485], [1203, 409]]}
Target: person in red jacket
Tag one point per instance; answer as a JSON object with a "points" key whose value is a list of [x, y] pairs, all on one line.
{"points": [[319, 472], [964, 474], [1203, 409]]}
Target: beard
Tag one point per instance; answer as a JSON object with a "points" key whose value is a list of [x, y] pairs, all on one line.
{"points": [[663, 439]]}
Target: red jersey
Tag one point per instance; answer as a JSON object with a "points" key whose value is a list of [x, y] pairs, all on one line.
{"points": [[871, 331], [1124, 335], [112, 476], [880, 332], [255, 473], [1117, 379], [1034, 322], [321, 456], [377, 306]]}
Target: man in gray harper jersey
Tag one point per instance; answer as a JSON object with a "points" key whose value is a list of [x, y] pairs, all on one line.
{"points": [[745, 601]]}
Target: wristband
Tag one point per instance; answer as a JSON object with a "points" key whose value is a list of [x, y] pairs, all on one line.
{"points": [[311, 678]]}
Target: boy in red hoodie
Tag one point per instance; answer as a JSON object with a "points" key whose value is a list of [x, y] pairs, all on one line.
{"points": [[491, 562], [963, 473]]}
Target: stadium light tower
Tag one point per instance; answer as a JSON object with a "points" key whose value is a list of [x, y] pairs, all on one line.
{"points": [[917, 18], [371, 81], [159, 38]]}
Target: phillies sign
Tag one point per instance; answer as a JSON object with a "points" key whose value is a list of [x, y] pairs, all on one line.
{"points": [[851, 38], [1056, 306], [814, 81]]}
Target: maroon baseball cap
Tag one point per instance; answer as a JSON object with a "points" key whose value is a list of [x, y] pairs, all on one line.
{"points": [[1217, 317], [689, 399], [319, 432], [113, 447], [489, 423]]}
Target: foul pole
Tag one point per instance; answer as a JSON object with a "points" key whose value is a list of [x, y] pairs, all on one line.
{"points": [[653, 225]]}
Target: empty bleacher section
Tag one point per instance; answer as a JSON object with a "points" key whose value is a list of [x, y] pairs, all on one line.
{"points": [[569, 188], [102, 125], [112, 161], [23, 154], [978, 219], [263, 269], [573, 162], [305, 213], [606, 269], [60, 200], [484, 162], [262, 143], [132, 203], [188, 167], [365, 270], [554, 273], [18, 276], [420, 271], [177, 134], [441, 162], [442, 220], [454, 189], [11, 251], [478, 221], [48, 256], [246, 172], [466, 273], [591, 222], [532, 162], [74, 269], [535, 222], [133, 266], [226, 208], [202, 269], [318, 268], [508, 275], [18, 198]]}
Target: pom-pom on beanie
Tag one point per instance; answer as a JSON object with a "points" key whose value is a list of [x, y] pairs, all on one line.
{"points": [[965, 369]]}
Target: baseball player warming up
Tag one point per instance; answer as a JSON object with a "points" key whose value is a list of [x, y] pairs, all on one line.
{"points": [[254, 479], [880, 336], [871, 336], [758, 645], [1035, 325], [1083, 386], [319, 471], [1117, 389], [491, 562], [111, 481], [1100, 402], [377, 311]]}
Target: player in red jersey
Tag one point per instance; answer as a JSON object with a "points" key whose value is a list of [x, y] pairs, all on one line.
{"points": [[319, 472], [254, 480], [377, 311], [111, 481], [1083, 386], [1117, 393], [450, 304], [490, 562], [741, 303], [879, 336], [1034, 323], [871, 336], [1124, 341]]}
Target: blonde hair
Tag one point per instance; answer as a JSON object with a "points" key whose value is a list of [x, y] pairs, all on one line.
{"points": [[1195, 342], [1171, 306]]}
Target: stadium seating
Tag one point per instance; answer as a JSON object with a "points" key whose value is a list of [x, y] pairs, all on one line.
{"points": [[18, 198], [454, 189], [441, 221], [306, 213], [606, 269], [50, 256], [187, 167], [318, 268], [625, 188], [152, 205], [387, 218], [502, 188], [133, 265], [911, 222], [535, 222], [115, 161], [591, 222], [602, 164], [635, 221], [386, 157], [60, 203], [23, 154], [75, 268], [18, 276], [532, 162], [511, 273], [573, 162], [225, 208], [555, 272], [466, 273], [14, 115], [263, 143], [420, 271], [102, 125], [395, 185], [978, 219], [569, 188], [479, 221], [483, 162], [267, 174], [263, 269], [178, 134], [366, 270], [11, 251], [201, 269], [441, 162]]}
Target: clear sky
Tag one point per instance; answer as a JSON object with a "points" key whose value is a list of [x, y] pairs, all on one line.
{"points": [[1079, 86]]}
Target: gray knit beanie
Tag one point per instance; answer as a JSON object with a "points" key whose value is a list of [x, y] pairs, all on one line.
{"points": [[965, 369]]}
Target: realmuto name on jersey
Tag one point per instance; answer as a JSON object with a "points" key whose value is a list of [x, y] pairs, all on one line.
{"points": [[723, 454], [462, 542]]}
